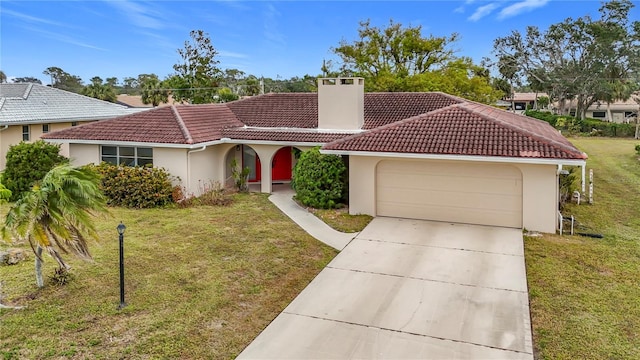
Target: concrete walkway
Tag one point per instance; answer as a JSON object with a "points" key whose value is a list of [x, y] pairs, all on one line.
{"points": [[283, 199]]}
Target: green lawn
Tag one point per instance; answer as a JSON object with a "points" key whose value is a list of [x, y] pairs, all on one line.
{"points": [[585, 292], [201, 283]]}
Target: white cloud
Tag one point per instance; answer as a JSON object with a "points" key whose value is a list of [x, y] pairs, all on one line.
{"points": [[459, 10], [271, 31], [32, 19], [231, 54], [521, 7], [64, 38], [483, 11], [139, 15]]}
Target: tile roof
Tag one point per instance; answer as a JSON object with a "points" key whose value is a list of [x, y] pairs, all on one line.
{"points": [[176, 124], [34, 103], [465, 129], [311, 136], [423, 123]]}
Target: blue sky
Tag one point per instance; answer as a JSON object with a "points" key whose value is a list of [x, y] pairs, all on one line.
{"points": [[124, 38]]}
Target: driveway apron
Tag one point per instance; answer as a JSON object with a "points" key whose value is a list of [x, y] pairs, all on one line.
{"points": [[411, 289]]}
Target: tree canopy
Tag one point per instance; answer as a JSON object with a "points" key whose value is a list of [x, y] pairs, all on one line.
{"points": [[197, 74], [584, 59], [398, 58], [100, 90], [153, 91], [61, 79]]}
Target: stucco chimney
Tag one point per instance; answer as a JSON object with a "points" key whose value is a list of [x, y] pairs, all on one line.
{"points": [[341, 103]]}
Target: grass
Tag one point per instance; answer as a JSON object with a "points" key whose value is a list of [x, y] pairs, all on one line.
{"points": [[585, 292], [201, 283], [339, 219]]}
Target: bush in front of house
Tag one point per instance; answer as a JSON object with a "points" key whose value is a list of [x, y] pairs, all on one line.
{"points": [[135, 186], [318, 179], [28, 163]]}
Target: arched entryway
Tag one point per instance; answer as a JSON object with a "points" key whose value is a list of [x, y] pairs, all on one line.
{"points": [[246, 157], [281, 164]]}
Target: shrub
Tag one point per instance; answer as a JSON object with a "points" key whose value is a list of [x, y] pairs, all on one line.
{"points": [[568, 184], [637, 151], [212, 194], [240, 176], [591, 127], [318, 179], [135, 187], [28, 163]]}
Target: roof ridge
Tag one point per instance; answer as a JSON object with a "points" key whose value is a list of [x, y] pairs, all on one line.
{"points": [[89, 98], [514, 126], [378, 129], [27, 91], [182, 125]]}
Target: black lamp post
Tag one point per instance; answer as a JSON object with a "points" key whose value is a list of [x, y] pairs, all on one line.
{"points": [[121, 228]]}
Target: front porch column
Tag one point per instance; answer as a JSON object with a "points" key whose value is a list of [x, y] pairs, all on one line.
{"points": [[265, 153]]}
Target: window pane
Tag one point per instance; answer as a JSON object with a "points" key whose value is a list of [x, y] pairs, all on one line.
{"points": [[45, 128], [599, 114], [127, 151], [143, 162], [110, 159], [109, 150], [145, 152], [127, 161]]}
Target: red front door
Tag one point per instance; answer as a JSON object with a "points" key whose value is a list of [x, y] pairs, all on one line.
{"points": [[281, 164]]}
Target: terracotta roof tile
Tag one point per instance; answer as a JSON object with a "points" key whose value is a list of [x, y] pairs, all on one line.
{"points": [[423, 123], [292, 110], [179, 124], [281, 135], [464, 129]]}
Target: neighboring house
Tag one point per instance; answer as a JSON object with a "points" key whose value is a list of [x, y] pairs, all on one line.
{"points": [[415, 155], [524, 101], [619, 111], [27, 111], [135, 101]]}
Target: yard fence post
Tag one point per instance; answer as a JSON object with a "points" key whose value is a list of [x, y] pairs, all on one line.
{"points": [[590, 186]]}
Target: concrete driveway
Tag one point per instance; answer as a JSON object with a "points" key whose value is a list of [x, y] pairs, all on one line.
{"points": [[410, 289]]}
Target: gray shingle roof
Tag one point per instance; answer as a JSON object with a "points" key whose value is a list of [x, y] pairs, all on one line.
{"points": [[34, 103]]}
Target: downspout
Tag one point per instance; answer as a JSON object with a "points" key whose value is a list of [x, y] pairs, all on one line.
{"points": [[203, 148]]}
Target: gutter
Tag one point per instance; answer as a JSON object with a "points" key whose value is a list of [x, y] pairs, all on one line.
{"points": [[203, 148], [521, 160]]}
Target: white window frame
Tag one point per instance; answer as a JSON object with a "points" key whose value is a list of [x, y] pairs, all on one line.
{"points": [[136, 159], [26, 133]]}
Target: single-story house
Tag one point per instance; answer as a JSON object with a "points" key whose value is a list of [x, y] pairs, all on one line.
{"points": [[27, 111], [415, 155], [618, 111]]}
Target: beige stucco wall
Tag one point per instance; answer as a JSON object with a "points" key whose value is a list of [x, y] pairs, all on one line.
{"points": [[83, 154], [539, 191], [12, 135]]}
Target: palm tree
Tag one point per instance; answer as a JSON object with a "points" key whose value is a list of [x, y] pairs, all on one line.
{"points": [[56, 215], [152, 91], [99, 90]]}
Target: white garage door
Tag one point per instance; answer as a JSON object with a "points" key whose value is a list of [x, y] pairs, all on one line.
{"points": [[473, 193]]}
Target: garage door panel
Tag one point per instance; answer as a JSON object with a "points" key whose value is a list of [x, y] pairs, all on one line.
{"points": [[456, 199], [489, 194], [442, 183], [454, 214]]}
